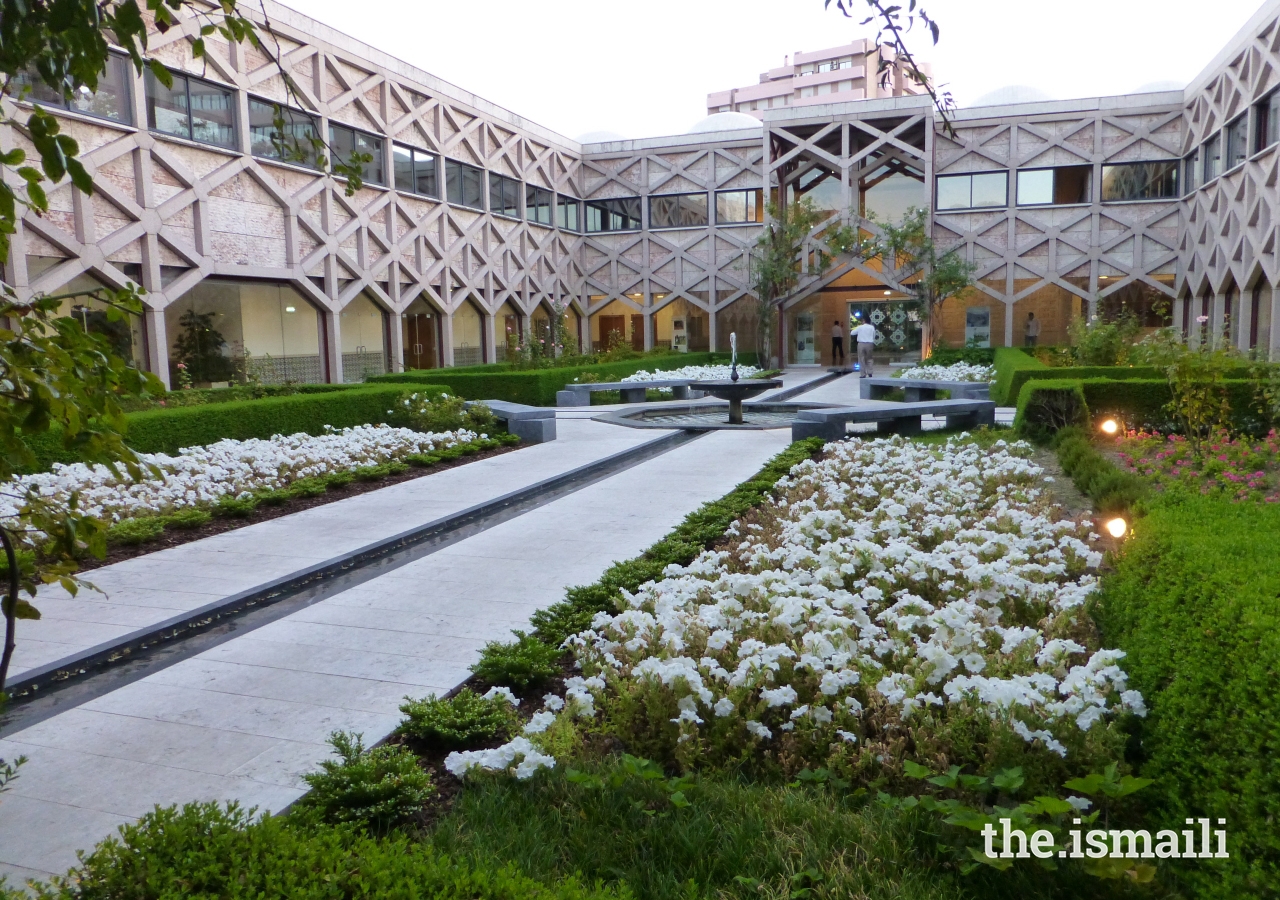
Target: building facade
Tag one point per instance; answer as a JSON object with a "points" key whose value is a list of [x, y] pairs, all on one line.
{"points": [[851, 71], [475, 227]]}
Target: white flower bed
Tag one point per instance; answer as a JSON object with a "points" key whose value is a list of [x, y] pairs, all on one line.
{"points": [[201, 476], [892, 587], [699, 373], [953, 372]]}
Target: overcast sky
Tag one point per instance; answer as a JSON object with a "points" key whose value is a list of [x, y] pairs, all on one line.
{"points": [[644, 68]]}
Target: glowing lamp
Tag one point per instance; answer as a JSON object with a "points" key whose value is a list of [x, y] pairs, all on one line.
{"points": [[1117, 527], [1110, 427]]}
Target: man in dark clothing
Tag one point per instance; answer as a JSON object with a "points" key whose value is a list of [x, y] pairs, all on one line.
{"points": [[837, 343]]}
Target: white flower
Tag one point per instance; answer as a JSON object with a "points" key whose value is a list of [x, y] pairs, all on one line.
{"points": [[552, 702], [540, 722], [758, 730], [504, 693], [953, 372], [779, 696], [724, 707]]}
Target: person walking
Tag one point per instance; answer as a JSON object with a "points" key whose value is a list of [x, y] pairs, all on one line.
{"points": [[837, 343], [1033, 330], [865, 335]]}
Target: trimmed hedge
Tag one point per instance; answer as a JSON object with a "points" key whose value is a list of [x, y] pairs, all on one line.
{"points": [[1111, 489], [700, 529], [168, 430], [972, 356], [203, 851], [537, 387], [1140, 402], [1045, 406], [1194, 603], [1009, 361]]}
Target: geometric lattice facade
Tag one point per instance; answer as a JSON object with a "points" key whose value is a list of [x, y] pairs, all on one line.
{"points": [[173, 214]]}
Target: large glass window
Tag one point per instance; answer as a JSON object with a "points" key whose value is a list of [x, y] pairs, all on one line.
{"points": [[678, 211], [294, 142], [1191, 171], [979, 190], [505, 195], [415, 170], [1141, 181], [568, 213], [468, 336], [109, 101], [1054, 187], [1238, 141], [737, 207], [537, 204], [613, 215], [191, 108], [346, 141], [227, 331], [1266, 116], [1211, 152], [464, 184], [364, 339], [123, 333]]}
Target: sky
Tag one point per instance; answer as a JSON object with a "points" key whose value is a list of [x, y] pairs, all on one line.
{"points": [[643, 69]]}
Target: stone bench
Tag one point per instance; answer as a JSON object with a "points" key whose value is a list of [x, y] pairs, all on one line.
{"points": [[632, 391], [532, 424], [918, 389], [900, 418]]}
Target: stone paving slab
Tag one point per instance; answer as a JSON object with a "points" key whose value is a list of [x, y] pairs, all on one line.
{"points": [[246, 719], [148, 589]]}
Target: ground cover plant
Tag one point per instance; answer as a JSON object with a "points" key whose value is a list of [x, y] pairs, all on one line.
{"points": [[700, 373], [1240, 467], [957, 371]]}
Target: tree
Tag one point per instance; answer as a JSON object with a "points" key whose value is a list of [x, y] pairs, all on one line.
{"points": [[907, 251], [776, 264], [56, 380], [198, 346]]}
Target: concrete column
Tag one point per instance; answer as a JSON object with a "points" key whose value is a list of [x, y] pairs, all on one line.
{"points": [[1244, 318], [1216, 312], [1271, 340], [446, 339], [490, 331], [395, 342], [332, 336], [649, 329], [157, 344], [1179, 309]]}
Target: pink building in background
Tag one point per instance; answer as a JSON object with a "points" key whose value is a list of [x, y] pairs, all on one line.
{"points": [[807, 79]]}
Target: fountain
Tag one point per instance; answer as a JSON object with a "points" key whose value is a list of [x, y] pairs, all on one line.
{"points": [[732, 389]]}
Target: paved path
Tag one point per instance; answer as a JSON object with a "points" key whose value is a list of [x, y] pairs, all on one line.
{"points": [[149, 589], [247, 718]]}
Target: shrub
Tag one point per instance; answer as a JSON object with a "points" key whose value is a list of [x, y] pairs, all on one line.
{"points": [[462, 720], [235, 507], [520, 663], [169, 430], [1111, 489], [189, 518], [375, 789], [1193, 604], [204, 851], [1047, 406], [136, 531], [973, 356], [441, 412], [1009, 363]]}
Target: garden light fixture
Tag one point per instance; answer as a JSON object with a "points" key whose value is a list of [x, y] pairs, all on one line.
{"points": [[1117, 527], [1109, 426]]}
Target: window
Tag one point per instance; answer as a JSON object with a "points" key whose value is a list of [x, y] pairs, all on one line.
{"points": [[109, 101], [1191, 171], [678, 211], [1212, 155], [977, 191], [1266, 116], [1140, 181], [1238, 141], [736, 207], [345, 141], [613, 215], [537, 204], [293, 143], [567, 213], [1056, 187], [464, 184], [504, 195], [192, 109], [415, 171]]}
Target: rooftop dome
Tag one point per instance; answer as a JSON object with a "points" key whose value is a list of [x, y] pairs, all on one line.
{"points": [[725, 121], [1011, 93], [599, 137]]}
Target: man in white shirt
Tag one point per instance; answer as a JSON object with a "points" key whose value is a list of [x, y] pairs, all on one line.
{"points": [[865, 335], [1033, 330]]}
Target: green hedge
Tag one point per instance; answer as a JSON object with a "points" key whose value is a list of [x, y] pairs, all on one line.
{"points": [[1009, 361], [1111, 489], [1140, 402], [203, 852], [537, 387], [168, 430], [1194, 603], [973, 356], [1044, 406]]}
